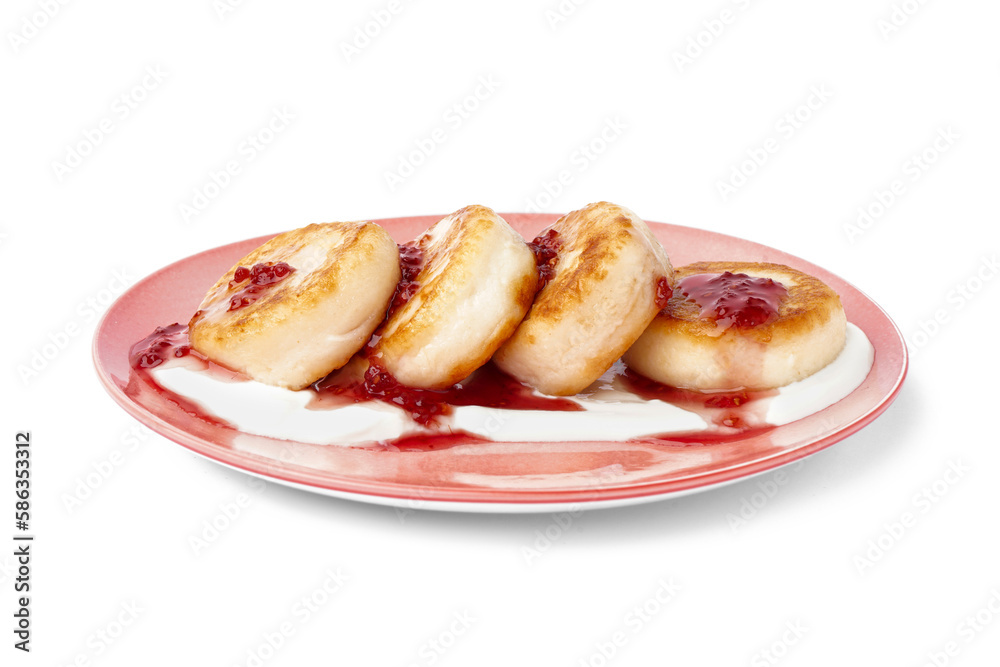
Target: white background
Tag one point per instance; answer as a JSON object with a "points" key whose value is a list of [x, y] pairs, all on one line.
{"points": [[888, 92]]}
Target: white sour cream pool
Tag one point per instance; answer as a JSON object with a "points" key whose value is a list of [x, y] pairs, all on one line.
{"points": [[609, 415]]}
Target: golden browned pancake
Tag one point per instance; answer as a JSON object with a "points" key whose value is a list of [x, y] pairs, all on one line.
{"points": [[310, 320], [602, 295], [477, 281], [686, 346]]}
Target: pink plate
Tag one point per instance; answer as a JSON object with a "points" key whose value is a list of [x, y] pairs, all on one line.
{"points": [[500, 476]]}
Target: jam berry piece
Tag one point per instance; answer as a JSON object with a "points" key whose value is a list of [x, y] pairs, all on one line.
{"points": [[411, 263], [268, 274], [404, 294], [238, 302], [259, 276], [734, 299], [546, 249], [154, 349], [411, 260], [423, 405], [241, 274], [663, 292], [378, 382]]}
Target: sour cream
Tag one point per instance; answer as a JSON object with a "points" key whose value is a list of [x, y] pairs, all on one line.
{"points": [[610, 414]]}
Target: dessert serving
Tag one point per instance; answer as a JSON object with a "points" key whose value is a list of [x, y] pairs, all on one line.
{"points": [[335, 335]]}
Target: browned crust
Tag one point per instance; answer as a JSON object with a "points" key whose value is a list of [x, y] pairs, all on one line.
{"points": [[602, 230], [810, 303], [410, 323], [465, 231], [336, 250], [455, 250]]}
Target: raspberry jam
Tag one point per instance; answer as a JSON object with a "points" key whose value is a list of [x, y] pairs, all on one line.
{"points": [[546, 249], [663, 292], [423, 406], [487, 387], [260, 276], [734, 299], [165, 344], [733, 414], [411, 262], [157, 347]]}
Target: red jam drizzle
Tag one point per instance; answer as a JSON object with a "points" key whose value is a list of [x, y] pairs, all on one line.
{"points": [[411, 262], [732, 415], [426, 442], [663, 292], [157, 347], [546, 249], [488, 387], [734, 299], [379, 384], [726, 409], [260, 276]]}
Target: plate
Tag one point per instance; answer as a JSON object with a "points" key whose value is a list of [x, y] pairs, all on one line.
{"points": [[493, 476]]}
